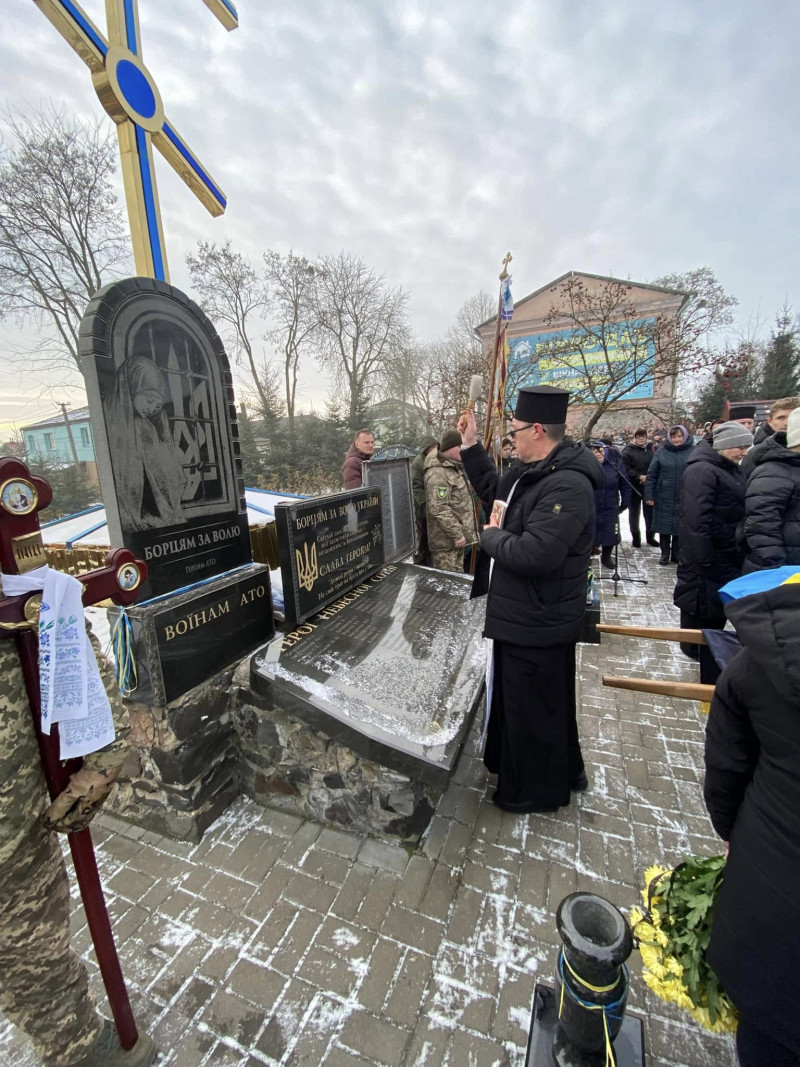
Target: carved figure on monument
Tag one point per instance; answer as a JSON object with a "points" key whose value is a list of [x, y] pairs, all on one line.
{"points": [[151, 478]]}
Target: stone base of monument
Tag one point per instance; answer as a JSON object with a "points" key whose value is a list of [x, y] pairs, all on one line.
{"points": [[182, 769], [628, 1044], [181, 640], [357, 717]]}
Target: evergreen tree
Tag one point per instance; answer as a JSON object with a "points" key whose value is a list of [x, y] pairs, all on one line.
{"points": [[738, 377], [782, 361], [252, 460]]}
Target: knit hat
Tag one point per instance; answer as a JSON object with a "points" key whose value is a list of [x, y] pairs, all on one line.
{"points": [[450, 438], [428, 442], [733, 435], [793, 429]]}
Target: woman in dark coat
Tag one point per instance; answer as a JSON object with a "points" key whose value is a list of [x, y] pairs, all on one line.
{"points": [[772, 504], [752, 792], [662, 489], [711, 507], [610, 499]]}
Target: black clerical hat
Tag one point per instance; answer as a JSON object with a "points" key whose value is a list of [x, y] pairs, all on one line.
{"points": [[542, 403], [743, 411]]}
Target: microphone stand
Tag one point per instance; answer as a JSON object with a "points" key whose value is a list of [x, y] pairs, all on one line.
{"points": [[616, 577]]}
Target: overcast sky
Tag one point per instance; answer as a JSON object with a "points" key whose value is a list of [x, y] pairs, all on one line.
{"points": [[623, 138]]}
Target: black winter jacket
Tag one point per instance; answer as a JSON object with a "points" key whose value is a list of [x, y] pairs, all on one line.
{"points": [[537, 596], [762, 433], [712, 506], [637, 460], [753, 457], [752, 792], [613, 496], [663, 485], [772, 507]]}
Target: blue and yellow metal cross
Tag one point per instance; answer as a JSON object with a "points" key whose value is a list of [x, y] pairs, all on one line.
{"points": [[130, 96]]}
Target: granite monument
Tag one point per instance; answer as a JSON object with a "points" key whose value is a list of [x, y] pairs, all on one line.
{"points": [[327, 545], [164, 420], [393, 476]]}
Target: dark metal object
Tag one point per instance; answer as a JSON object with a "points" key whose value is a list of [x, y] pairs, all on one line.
{"points": [[581, 1023], [616, 577], [628, 1045]]}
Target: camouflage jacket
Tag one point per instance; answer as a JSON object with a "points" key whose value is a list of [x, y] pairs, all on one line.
{"points": [[23, 793], [450, 506]]}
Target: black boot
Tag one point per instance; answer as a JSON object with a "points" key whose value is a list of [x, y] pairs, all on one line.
{"points": [[606, 558], [636, 539], [665, 543], [652, 541]]}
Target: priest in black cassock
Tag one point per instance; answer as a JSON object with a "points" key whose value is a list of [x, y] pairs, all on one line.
{"points": [[534, 563]]}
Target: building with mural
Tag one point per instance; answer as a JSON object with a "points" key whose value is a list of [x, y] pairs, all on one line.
{"points": [[598, 337]]}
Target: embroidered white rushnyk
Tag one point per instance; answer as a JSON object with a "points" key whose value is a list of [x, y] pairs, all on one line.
{"points": [[490, 641], [72, 691]]}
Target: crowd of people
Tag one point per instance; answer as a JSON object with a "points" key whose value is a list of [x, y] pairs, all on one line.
{"points": [[719, 503]]}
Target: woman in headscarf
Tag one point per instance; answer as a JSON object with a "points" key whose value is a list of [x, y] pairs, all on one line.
{"points": [[663, 487], [147, 468]]}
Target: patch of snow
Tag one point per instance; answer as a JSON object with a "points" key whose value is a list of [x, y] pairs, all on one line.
{"points": [[344, 938]]}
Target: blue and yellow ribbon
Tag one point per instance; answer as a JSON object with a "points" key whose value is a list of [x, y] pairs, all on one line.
{"points": [[608, 1010]]}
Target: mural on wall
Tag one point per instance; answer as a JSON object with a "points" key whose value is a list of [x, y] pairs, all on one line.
{"points": [[546, 359]]}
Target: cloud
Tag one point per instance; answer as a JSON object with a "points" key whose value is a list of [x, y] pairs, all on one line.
{"points": [[430, 139]]}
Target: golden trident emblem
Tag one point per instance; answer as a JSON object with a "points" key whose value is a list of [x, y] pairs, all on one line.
{"points": [[307, 572]]}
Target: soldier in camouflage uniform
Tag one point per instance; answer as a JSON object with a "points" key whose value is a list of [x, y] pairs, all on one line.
{"points": [[450, 506], [44, 986]]}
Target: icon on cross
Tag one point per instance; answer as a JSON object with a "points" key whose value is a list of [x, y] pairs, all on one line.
{"points": [[130, 96]]}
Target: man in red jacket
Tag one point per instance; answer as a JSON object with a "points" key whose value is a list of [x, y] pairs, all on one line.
{"points": [[361, 450]]}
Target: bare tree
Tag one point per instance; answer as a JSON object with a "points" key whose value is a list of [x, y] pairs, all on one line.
{"points": [[362, 325], [466, 348], [62, 232], [291, 281], [232, 292], [604, 349]]}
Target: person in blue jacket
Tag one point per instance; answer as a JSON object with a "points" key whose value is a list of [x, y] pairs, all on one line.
{"points": [[662, 490]]}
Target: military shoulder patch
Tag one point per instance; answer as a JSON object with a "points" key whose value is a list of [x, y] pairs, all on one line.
{"points": [[556, 508], [442, 492]]}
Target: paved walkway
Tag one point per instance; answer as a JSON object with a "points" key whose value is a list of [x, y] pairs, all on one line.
{"points": [[275, 941]]}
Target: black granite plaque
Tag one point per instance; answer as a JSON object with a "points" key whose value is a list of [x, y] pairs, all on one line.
{"points": [[327, 545], [394, 669], [181, 642], [399, 525], [164, 422]]}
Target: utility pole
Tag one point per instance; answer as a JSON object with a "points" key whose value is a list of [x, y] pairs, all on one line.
{"points": [[69, 434]]}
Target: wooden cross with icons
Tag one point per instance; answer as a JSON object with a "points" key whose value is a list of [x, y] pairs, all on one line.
{"points": [[22, 497], [130, 96]]}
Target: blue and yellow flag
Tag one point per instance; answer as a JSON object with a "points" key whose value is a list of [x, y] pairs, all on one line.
{"points": [[759, 582]]}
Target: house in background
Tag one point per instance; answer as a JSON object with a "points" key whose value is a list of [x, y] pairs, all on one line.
{"points": [[61, 443], [49, 440]]}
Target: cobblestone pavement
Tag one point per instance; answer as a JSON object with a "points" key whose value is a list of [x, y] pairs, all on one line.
{"points": [[276, 941]]}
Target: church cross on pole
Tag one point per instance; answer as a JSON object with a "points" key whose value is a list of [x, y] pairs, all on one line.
{"points": [[130, 96]]}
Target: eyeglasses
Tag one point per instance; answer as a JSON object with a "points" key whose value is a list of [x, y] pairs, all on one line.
{"points": [[519, 429]]}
